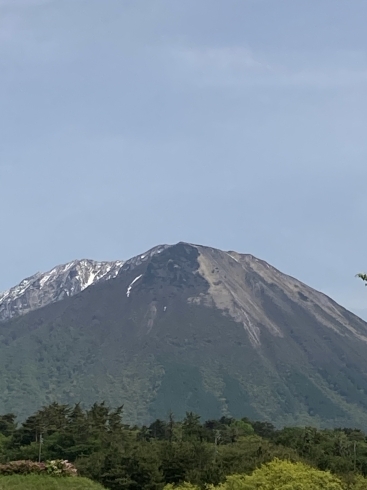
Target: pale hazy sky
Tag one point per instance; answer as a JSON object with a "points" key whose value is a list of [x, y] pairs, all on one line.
{"points": [[239, 124]]}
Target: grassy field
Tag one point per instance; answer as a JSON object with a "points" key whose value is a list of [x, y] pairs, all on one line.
{"points": [[36, 482]]}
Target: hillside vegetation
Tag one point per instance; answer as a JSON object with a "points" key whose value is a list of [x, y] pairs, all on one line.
{"points": [[171, 452]]}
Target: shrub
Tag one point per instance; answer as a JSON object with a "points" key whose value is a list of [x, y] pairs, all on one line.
{"points": [[60, 467], [278, 475], [22, 467], [56, 467]]}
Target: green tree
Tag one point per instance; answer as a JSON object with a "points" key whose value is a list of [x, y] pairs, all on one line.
{"points": [[7, 424], [362, 276], [239, 428], [264, 429], [158, 429], [284, 475], [191, 427], [280, 475]]}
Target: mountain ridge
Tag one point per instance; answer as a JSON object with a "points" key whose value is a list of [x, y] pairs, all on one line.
{"points": [[62, 280], [188, 327]]}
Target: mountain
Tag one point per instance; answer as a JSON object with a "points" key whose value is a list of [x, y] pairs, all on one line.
{"points": [[61, 281], [192, 328]]}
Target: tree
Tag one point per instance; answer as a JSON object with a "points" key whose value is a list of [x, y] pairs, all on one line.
{"points": [[264, 429], [279, 475], [158, 429], [240, 428], [284, 475], [7, 424], [191, 427], [362, 276]]}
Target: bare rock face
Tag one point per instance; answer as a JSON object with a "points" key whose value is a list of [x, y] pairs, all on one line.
{"points": [[237, 285], [60, 282]]}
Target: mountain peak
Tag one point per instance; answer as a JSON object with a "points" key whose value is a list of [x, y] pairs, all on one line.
{"points": [[54, 285], [184, 327]]}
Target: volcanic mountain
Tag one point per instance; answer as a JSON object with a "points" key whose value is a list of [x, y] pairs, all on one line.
{"points": [[191, 328]]}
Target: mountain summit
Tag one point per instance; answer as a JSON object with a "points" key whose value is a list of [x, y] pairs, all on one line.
{"points": [[192, 328]]}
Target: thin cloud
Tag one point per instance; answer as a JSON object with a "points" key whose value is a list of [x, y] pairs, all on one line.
{"points": [[324, 79], [222, 58], [240, 66], [217, 66]]}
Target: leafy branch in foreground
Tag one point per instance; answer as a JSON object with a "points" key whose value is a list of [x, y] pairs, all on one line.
{"points": [[362, 276]]}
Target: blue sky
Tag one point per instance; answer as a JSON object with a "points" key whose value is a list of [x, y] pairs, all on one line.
{"points": [[238, 124]]}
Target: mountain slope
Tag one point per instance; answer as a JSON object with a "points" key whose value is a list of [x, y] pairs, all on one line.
{"points": [[61, 281], [187, 327]]}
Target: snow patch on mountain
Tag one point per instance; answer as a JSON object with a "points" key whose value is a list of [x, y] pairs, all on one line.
{"points": [[131, 285], [64, 280]]}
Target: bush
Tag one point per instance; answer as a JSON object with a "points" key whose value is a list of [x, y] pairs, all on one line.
{"points": [[23, 467], [60, 467], [284, 475], [56, 467], [277, 475]]}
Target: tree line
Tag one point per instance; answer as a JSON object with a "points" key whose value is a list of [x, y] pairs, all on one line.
{"points": [[169, 452]]}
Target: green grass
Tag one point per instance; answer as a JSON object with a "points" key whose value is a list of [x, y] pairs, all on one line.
{"points": [[36, 482]]}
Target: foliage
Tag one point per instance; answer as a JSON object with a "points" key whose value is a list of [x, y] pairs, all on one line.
{"points": [[280, 475], [56, 467], [169, 452], [182, 486], [284, 475], [22, 468], [362, 276], [60, 467]]}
